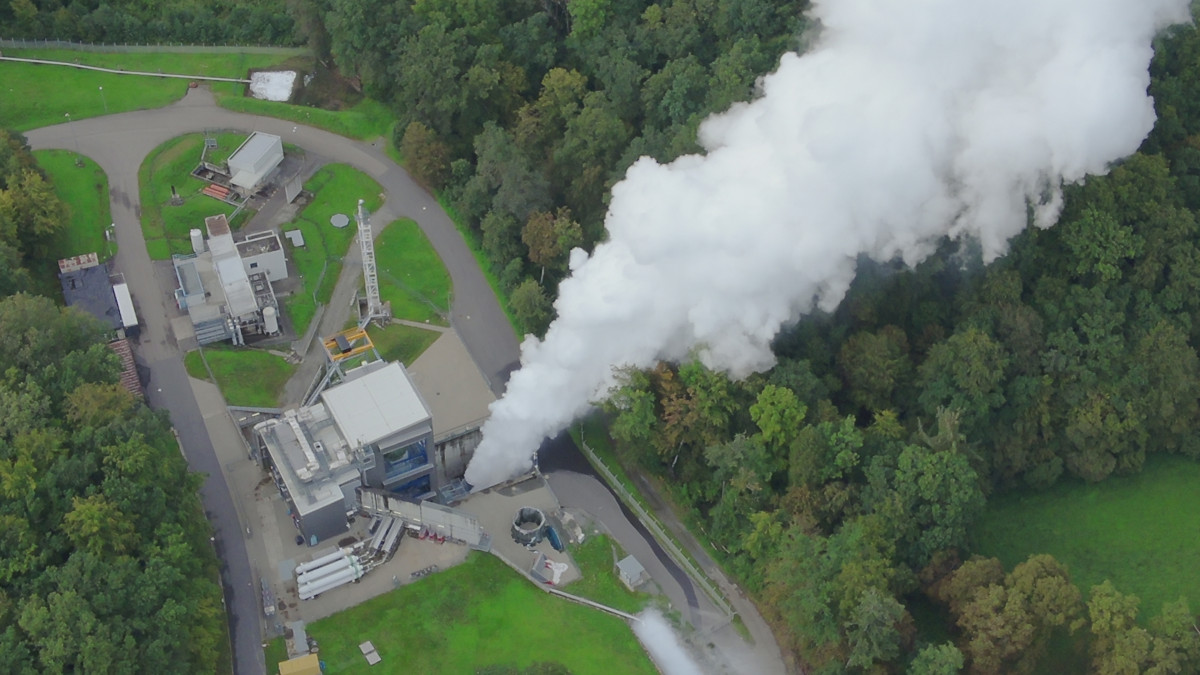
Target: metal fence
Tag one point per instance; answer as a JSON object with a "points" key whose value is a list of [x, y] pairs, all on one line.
{"points": [[651, 522], [14, 43]]}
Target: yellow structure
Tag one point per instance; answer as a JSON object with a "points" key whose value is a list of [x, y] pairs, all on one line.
{"points": [[304, 665], [347, 344]]}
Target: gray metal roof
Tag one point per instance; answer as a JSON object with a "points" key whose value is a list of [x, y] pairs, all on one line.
{"points": [[372, 406], [90, 290]]}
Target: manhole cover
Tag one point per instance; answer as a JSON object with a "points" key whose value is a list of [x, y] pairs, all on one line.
{"points": [[340, 220]]}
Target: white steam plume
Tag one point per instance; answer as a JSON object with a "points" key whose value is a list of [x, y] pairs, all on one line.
{"points": [[664, 647], [908, 120]]}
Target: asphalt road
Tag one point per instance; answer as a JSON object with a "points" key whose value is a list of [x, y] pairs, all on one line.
{"points": [[119, 144]]}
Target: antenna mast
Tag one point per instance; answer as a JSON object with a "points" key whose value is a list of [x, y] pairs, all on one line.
{"points": [[366, 241]]}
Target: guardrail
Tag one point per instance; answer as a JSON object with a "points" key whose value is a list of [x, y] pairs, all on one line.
{"points": [[17, 43], [118, 71], [651, 522]]}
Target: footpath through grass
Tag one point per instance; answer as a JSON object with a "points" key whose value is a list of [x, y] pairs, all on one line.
{"points": [[248, 377], [336, 188], [164, 226], [1140, 532], [85, 192], [35, 95], [474, 615], [411, 275]]}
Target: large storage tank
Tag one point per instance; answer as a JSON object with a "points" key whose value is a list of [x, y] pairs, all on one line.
{"points": [[270, 320], [197, 241]]}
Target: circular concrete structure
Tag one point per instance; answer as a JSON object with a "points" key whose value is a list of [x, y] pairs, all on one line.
{"points": [[529, 526]]}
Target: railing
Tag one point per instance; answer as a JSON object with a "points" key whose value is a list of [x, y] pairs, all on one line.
{"points": [[14, 43], [651, 523]]}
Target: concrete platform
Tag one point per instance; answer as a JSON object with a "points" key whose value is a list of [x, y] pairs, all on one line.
{"points": [[495, 509], [456, 391]]}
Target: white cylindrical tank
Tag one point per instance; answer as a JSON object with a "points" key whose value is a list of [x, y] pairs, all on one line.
{"points": [[270, 320], [308, 591], [320, 562], [197, 241], [323, 571]]}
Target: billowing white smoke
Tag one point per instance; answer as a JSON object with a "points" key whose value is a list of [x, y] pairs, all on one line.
{"points": [[665, 649], [907, 121]]}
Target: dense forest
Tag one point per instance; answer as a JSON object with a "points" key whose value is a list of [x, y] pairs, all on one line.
{"points": [[105, 561], [841, 486]]}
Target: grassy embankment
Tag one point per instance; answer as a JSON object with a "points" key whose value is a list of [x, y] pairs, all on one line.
{"points": [[29, 104], [1137, 531], [597, 558], [411, 276], [84, 189], [249, 377], [476, 614], [164, 226], [336, 188]]}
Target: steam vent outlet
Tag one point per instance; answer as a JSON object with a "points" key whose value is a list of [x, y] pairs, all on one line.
{"points": [[529, 526]]}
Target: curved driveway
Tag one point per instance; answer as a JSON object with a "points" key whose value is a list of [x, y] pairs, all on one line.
{"points": [[119, 144]]}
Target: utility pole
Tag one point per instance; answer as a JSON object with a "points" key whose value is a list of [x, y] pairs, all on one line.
{"points": [[74, 140]]}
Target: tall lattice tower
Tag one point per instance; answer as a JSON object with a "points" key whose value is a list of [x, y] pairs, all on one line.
{"points": [[366, 241]]}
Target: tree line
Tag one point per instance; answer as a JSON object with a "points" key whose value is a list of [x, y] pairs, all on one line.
{"points": [[234, 22], [105, 560], [841, 486], [522, 113]]}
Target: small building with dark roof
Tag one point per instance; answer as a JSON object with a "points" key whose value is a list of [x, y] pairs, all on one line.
{"points": [[89, 289]]}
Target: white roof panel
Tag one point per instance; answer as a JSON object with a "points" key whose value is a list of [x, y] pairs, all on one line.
{"points": [[376, 405], [125, 305]]}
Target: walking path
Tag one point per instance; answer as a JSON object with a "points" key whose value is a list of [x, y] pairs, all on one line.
{"points": [[119, 144], [119, 71]]}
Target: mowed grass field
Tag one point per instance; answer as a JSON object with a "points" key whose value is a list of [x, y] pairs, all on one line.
{"points": [[85, 192], [1141, 532], [248, 377], [38, 95], [411, 275], [336, 188], [165, 226], [477, 614]]}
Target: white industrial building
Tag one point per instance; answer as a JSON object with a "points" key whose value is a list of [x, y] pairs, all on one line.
{"points": [[254, 160], [371, 430], [225, 298], [262, 252]]}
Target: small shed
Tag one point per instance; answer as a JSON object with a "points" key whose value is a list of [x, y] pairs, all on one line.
{"points": [[254, 159], [631, 572], [304, 665]]}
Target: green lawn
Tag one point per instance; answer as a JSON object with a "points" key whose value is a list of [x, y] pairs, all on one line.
{"points": [[85, 192], [474, 615], [165, 226], [368, 120], [27, 103], [595, 557], [401, 343], [248, 377], [1138, 531], [336, 189], [411, 275]]}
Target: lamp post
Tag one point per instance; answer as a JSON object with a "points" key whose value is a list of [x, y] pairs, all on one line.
{"points": [[74, 138], [103, 100]]}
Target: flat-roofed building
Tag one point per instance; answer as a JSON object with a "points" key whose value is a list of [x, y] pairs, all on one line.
{"points": [[371, 430], [254, 160]]}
